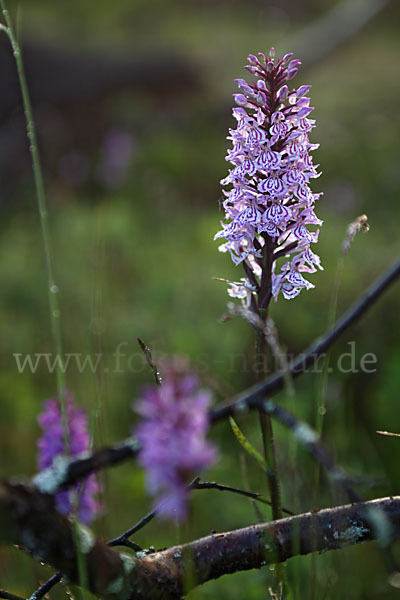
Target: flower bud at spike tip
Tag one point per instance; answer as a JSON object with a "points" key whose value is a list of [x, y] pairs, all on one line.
{"points": [[269, 194], [305, 111], [292, 73], [303, 89], [244, 86], [283, 93], [286, 58], [261, 85], [301, 102], [293, 64], [240, 99], [252, 70]]}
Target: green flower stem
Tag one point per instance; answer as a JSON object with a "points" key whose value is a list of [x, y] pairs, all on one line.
{"points": [[52, 288], [264, 298], [269, 449]]}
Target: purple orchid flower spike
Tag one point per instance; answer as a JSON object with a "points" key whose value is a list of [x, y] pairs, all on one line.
{"points": [[270, 205], [51, 445]]}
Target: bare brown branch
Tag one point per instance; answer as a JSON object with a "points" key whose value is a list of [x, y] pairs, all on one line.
{"points": [[28, 518]]}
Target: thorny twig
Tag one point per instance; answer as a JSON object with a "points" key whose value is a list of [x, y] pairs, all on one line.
{"points": [[150, 362], [196, 484], [46, 587]]}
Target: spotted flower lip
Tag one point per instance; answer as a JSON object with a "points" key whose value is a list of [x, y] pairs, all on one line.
{"points": [[51, 445], [270, 194]]}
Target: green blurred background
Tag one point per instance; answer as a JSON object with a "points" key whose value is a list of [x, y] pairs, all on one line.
{"points": [[133, 103]]}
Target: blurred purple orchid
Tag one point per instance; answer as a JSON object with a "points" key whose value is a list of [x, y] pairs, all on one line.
{"points": [[172, 437], [51, 445]]}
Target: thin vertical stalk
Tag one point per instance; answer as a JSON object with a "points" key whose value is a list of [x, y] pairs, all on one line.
{"points": [[321, 409], [268, 439], [80, 559], [264, 297], [321, 397], [52, 288], [267, 432]]}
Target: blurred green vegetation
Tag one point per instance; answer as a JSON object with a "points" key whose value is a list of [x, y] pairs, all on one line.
{"points": [[140, 261]]}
